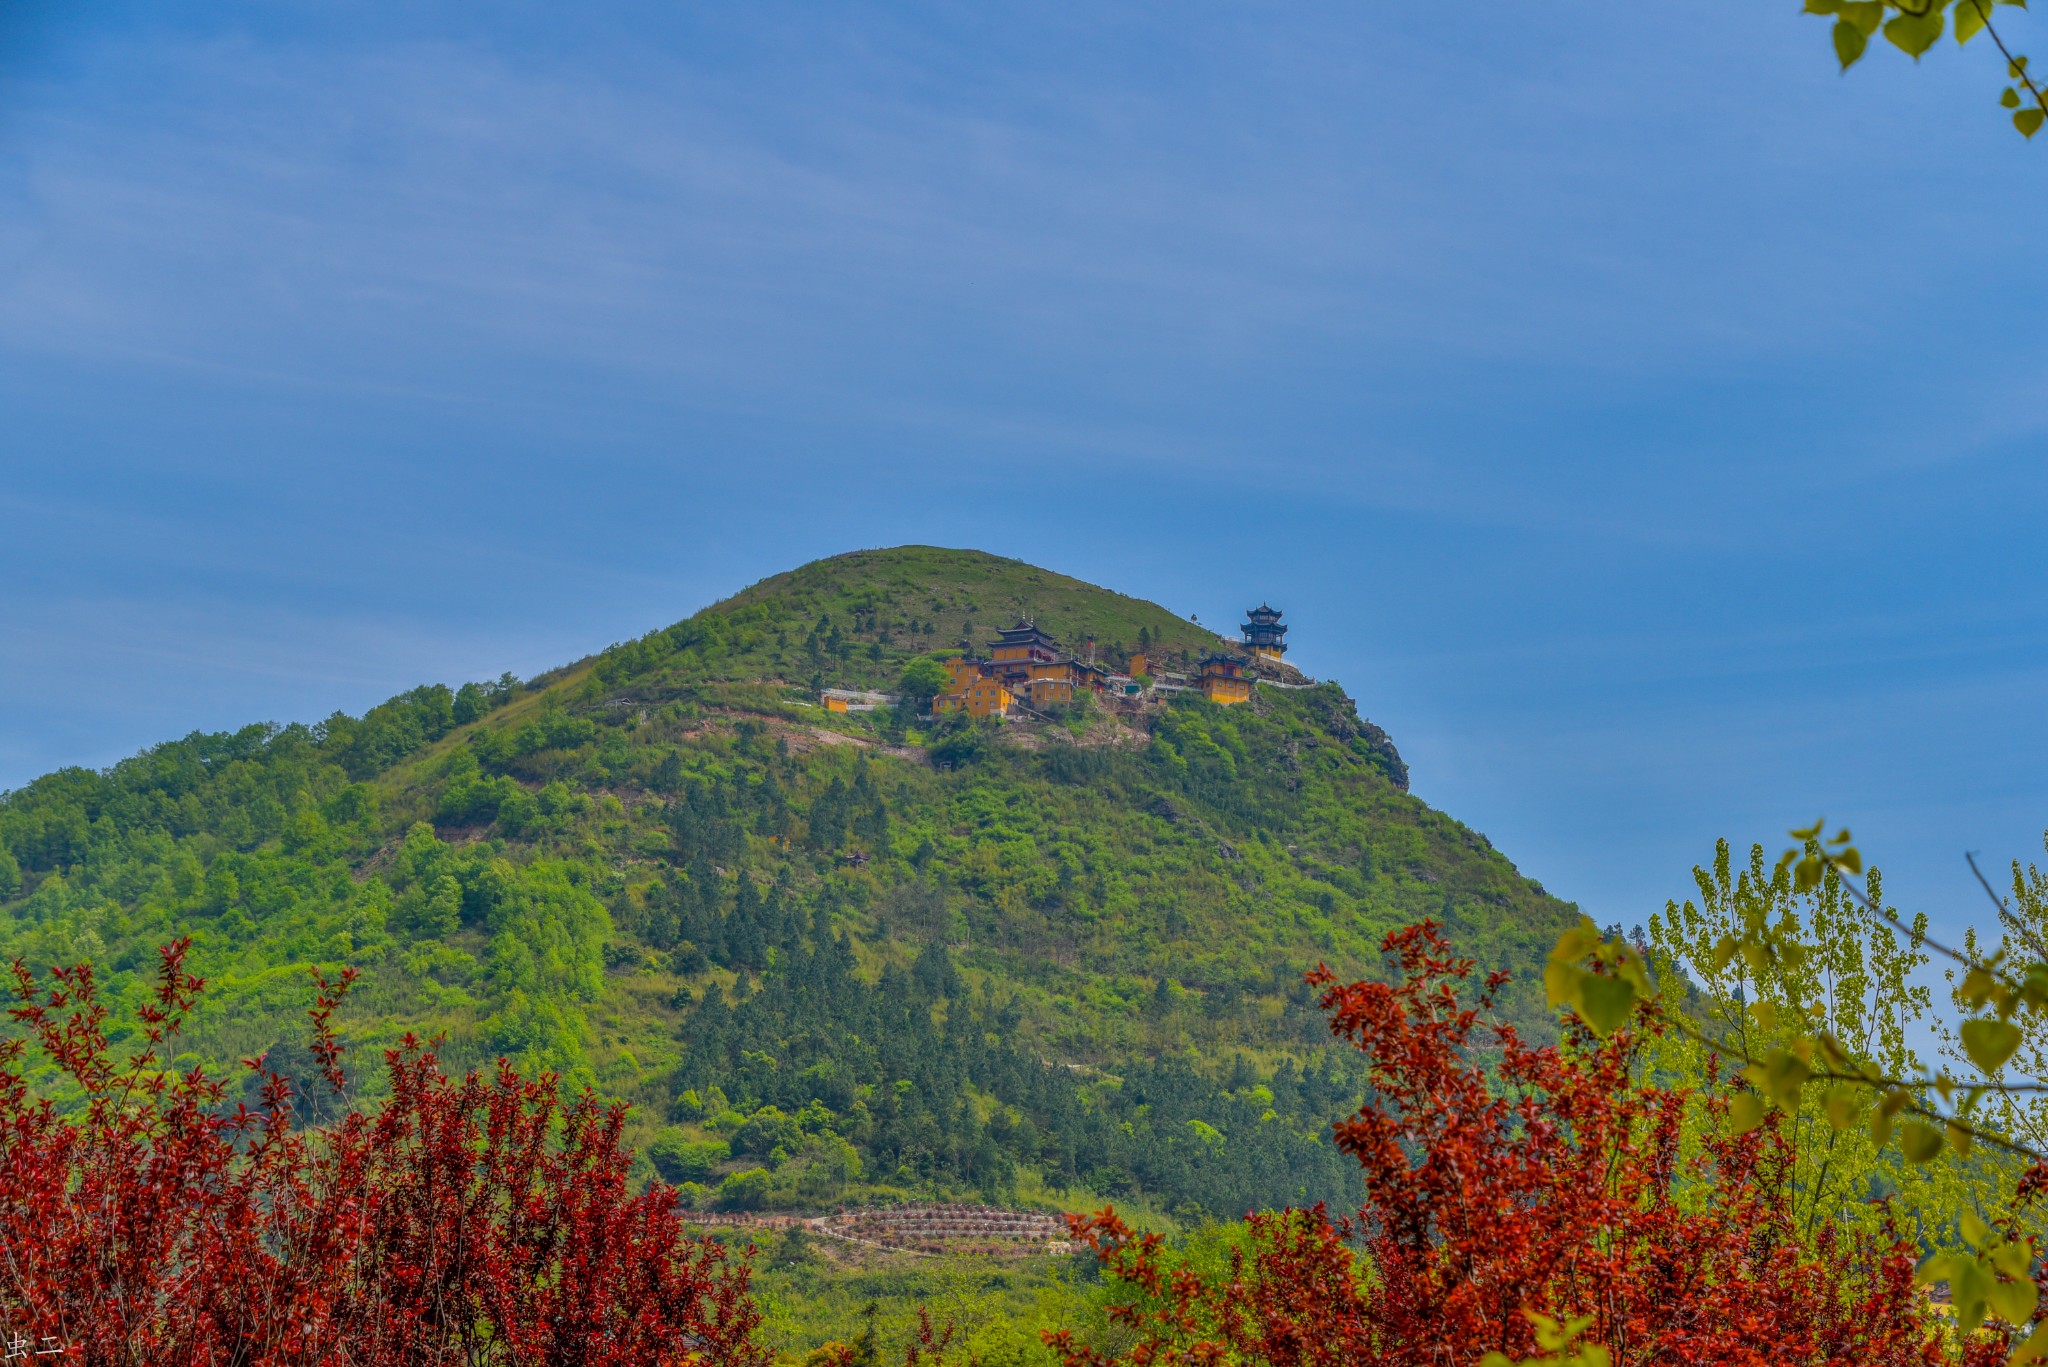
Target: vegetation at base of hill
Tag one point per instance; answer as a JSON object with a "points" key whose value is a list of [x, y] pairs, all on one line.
{"points": [[474, 1219], [1554, 1206], [813, 1292], [1534, 1207], [822, 957]]}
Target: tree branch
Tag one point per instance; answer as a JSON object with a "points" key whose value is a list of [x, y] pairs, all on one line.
{"points": [[1983, 8]]}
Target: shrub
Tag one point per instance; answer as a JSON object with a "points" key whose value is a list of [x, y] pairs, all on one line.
{"points": [[765, 1131], [679, 1159], [958, 740], [746, 1189], [470, 1219]]}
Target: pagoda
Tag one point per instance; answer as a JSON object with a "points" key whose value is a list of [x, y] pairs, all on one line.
{"points": [[1263, 634]]}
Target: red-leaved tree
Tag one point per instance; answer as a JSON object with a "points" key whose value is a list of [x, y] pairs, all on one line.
{"points": [[1507, 1184], [469, 1220]]}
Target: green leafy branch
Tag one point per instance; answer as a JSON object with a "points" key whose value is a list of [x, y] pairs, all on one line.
{"points": [[1559, 1342], [1914, 26], [1605, 995], [1604, 981]]}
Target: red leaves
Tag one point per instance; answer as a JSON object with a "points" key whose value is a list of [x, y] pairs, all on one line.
{"points": [[1504, 1178], [470, 1220], [1297, 1298]]}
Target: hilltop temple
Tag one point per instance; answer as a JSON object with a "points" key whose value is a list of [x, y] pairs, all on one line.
{"points": [[1028, 667]]}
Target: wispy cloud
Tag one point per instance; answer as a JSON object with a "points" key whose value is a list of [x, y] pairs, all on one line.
{"points": [[344, 349]]}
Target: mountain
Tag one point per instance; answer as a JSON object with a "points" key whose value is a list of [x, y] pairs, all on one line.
{"points": [[826, 956]]}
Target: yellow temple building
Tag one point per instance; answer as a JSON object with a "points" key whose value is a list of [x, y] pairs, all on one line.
{"points": [[1223, 680], [980, 697], [1042, 690], [1022, 646]]}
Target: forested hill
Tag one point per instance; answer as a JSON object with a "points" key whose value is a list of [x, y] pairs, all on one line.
{"points": [[827, 957]]}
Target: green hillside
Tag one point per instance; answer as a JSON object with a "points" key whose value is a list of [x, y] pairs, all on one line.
{"points": [[826, 957]]}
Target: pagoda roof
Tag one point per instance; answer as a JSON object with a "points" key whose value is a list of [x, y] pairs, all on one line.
{"points": [[1026, 632]]}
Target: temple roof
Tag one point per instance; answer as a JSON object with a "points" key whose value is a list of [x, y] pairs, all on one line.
{"points": [[1265, 621], [1026, 632], [1262, 627]]}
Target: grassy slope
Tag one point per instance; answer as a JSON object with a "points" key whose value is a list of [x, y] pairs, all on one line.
{"points": [[967, 594]]}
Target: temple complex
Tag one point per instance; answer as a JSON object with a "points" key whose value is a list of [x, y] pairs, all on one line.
{"points": [[1024, 665], [1027, 667]]}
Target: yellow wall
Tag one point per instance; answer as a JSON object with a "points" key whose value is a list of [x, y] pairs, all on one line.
{"points": [[1047, 690], [989, 699], [981, 698], [1218, 688]]}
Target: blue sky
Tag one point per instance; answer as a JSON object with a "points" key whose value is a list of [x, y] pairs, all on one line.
{"points": [[1642, 420]]}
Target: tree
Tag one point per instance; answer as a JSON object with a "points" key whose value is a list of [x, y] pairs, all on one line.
{"points": [[679, 1159], [923, 679], [1914, 26], [470, 703], [1862, 970], [473, 1219], [1978, 1114]]}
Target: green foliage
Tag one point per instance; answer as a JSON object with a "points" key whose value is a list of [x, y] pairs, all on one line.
{"points": [[679, 1158], [765, 1131], [893, 1069], [923, 679], [746, 1189], [1836, 964], [1915, 26], [1558, 1340]]}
